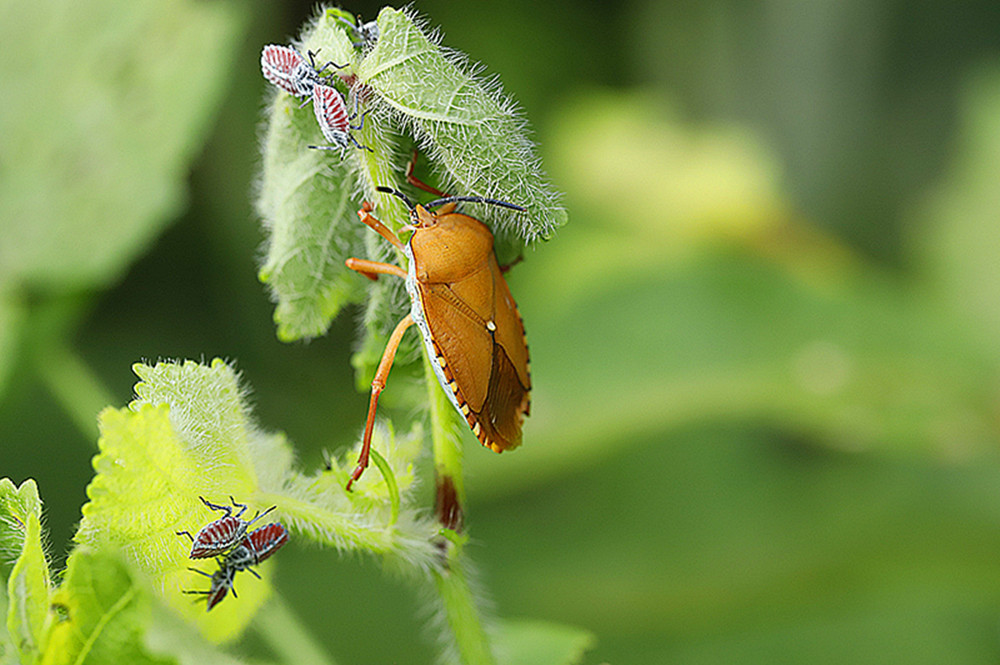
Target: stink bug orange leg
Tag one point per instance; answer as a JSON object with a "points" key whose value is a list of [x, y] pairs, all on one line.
{"points": [[504, 269], [372, 269], [378, 384], [419, 184], [377, 226]]}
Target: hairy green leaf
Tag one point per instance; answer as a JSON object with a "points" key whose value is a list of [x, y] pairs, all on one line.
{"points": [[408, 90], [307, 206], [95, 158], [28, 585], [190, 434], [8, 654], [187, 435], [303, 195], [168, 636], [464, 124], [103, 613]]}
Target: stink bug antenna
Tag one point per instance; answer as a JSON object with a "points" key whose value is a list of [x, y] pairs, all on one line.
{"points": [[320, 70], [400, 195], [475, 199]]}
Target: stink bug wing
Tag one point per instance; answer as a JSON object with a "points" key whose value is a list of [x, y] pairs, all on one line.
{"points": [[509, 381], [493, 384], [217, 537], [267, 540], [278, 64], [331, 113], [463, 342], [504, 411], [510, 329]]}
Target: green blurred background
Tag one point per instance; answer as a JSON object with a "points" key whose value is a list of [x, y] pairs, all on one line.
{"points": [[765, 424]]}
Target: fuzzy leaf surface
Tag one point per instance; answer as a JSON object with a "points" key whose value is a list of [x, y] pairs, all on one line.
{"points": [[8, 654], [105, 614], [306, 204], [465, 125], [187, 435], [28, 585]]}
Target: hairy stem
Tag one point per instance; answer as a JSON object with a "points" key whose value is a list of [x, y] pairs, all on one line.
{"points": [[463, 616], [459, 603], [447, 446]]}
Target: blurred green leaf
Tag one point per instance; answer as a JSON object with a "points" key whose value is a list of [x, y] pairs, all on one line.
{"points": [[168, 636], [959, 237], [28, 586], [96, 151], [524, 642], [13, 315], [757, 550], [776, 323], [105, 614]]}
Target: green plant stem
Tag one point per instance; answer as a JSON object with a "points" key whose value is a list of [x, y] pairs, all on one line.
{"points": [[462, 613], [390, 484], [287, 637], [445, 436], [77, 389], [347, 529]]}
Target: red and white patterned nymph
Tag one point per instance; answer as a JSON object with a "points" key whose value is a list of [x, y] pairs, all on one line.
{"points": [[286, 68], [222, 535]]}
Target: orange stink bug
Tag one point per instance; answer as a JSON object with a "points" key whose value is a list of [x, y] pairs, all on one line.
{"points": [[468, 319]]}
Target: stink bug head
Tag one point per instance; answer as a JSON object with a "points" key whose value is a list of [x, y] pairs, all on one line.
{"points": [[450, 246], [446, 246], [222, 583]]}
